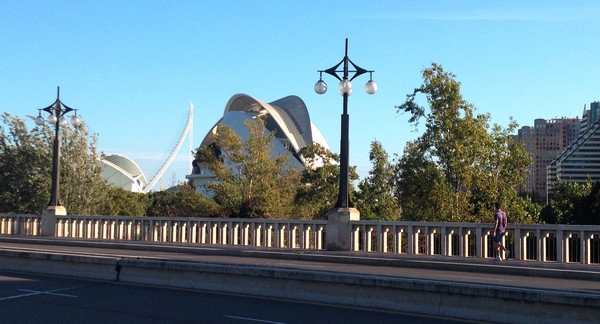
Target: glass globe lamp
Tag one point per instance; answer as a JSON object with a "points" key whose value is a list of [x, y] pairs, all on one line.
{"points": [[39, 120], [345, 87], [52, 119], [320, 87], [75, 121], [371, 87]]}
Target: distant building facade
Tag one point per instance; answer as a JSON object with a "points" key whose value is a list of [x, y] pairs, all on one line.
{"points": [[544, 141], [580, 161]]}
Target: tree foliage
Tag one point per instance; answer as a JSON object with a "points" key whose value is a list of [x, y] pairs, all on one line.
{"points": [[317, 191], [564, 198], [416, 181], [184, 201], [26, 165], [82, 189], [461, 168], [319, 185], [120, 202], [250, 180], [587, 209], [375, 198]]}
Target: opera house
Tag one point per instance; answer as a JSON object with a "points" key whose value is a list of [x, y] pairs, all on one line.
{"points": [[287, 117]]}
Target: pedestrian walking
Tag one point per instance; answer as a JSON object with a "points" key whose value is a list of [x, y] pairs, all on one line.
{"points": [[500, 224]]}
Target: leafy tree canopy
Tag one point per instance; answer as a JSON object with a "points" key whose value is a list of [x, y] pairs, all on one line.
{"points": [[251, 181], [461, 166], [564, 198], [317, 192], [376, 192], [183, 201], [121, 202], [26, 164]]}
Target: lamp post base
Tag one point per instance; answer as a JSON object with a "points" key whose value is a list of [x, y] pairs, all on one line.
{"points": [[48, 225], [339, 230]]}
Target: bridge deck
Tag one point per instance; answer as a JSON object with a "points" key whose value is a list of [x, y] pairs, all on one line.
{"points": [[467, 284], [545, 275]]}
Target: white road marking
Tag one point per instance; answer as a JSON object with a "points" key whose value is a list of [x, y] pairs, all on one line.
{"points": [[252, 319], [37, 292]]}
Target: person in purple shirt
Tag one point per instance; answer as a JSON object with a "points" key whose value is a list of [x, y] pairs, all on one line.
{"points": [[500, 223]]}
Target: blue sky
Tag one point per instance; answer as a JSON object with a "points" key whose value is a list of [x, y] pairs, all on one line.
{"points": [[133, 67]]}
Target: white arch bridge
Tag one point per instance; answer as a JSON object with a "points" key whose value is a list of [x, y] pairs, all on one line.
{"points": [[122, 172]]}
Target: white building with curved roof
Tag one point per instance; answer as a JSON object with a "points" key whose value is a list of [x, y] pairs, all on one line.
{"points": [[288, 117], [122, 172]]}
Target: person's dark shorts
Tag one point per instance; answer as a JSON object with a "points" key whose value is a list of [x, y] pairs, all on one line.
{"points": [[498, 237]]}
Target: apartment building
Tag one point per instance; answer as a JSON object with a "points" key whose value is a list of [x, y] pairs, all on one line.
{"points": [[544, 141], [580, 161]]}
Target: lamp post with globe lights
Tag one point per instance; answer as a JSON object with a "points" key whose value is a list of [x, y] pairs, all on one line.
{"points": [[345, 88], [57, 111], [344, 209]]}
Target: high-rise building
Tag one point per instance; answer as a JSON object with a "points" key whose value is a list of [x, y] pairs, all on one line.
{"points": [[589, 116], [544, 141], [580, 161]]}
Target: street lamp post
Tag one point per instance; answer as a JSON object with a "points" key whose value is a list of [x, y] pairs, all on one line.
{"points": [[344, 210], [57, 111], [345, 88]]}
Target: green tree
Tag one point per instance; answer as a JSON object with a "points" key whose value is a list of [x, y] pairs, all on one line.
{"points": [[25, 167], [504, 172], [416, 179], [26, 163], [523, 210], [468, 167], [375, 198], [251, 181], [317, 192], [83, 191], [184, 201], [586, 210], [121, 202], [562, 198]]}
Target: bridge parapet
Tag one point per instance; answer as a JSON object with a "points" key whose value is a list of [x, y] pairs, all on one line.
{"points": [[270, 233], [533, 242]]}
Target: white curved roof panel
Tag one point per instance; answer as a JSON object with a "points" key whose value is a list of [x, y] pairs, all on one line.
{"points": [[122, 172]]}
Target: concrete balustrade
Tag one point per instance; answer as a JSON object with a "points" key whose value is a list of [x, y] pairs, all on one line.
{"points": [[537, 242], [297, 234], [20, 224]]}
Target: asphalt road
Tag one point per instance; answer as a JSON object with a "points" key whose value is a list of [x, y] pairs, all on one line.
{"points": [[26, 298]]}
